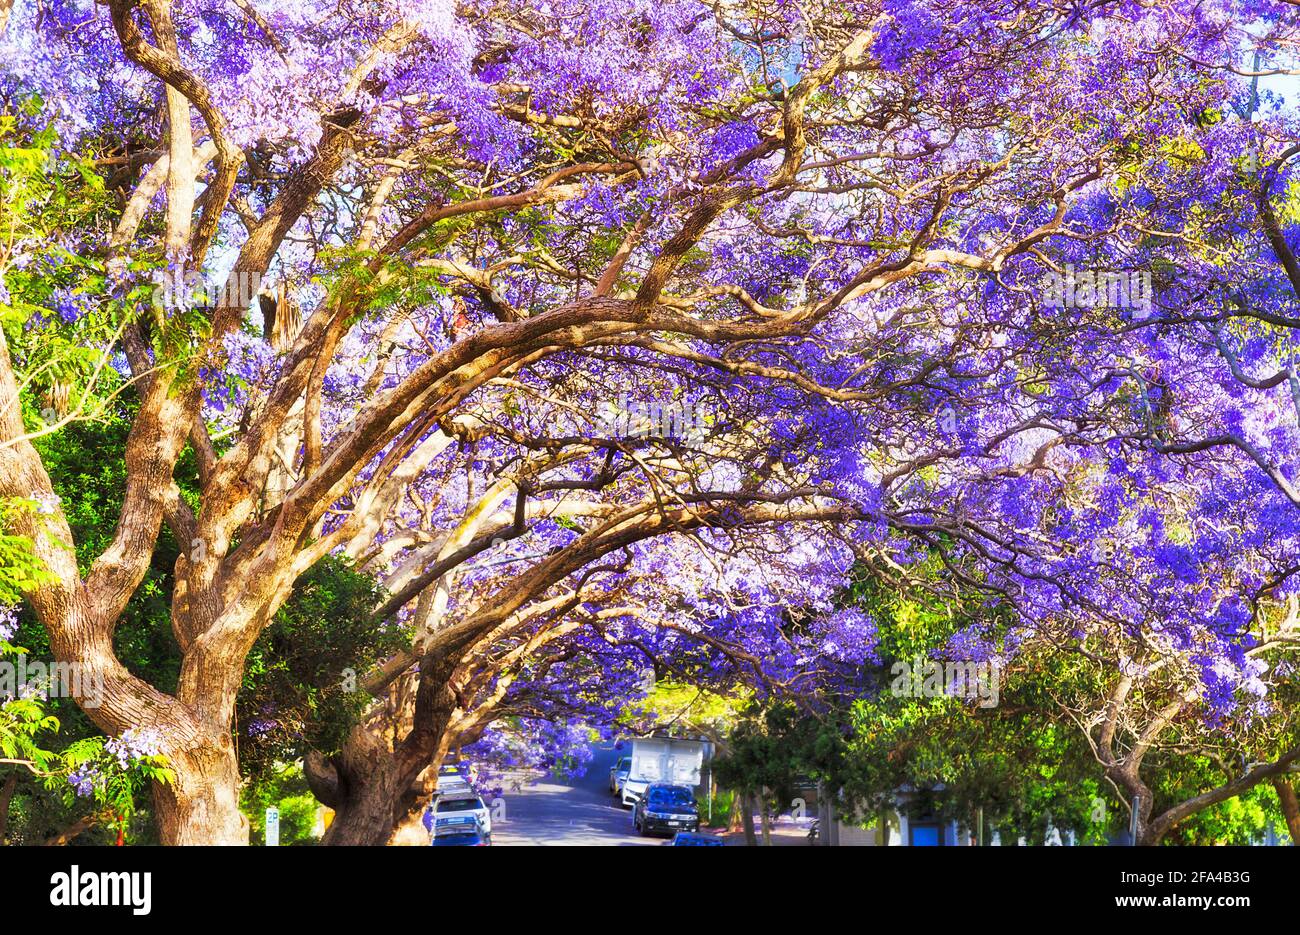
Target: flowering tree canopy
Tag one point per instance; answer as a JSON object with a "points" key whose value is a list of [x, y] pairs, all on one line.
{"points": [[617, 333]]}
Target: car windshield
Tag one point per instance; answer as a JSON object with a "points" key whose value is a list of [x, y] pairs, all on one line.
{"points": [[458, 805], [671, 796]]}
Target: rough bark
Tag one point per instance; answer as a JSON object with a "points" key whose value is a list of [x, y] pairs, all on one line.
{"points": [[1126, 778], [379, 802], [1290, 807], [365, 814], [6, 796], [202, 805], [409, 829], [747, 819], [735, 813], [377, 787]]}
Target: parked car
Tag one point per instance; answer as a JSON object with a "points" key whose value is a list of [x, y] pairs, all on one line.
{"points": [[692, 839], [618, 774], [465, 769], [453, 780], [462, 806], [459, 832], [453, 786], [666, 809]]}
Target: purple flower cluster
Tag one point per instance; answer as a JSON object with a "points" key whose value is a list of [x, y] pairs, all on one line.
{"points": [[133, 745], [8, 622], [85, 779]]}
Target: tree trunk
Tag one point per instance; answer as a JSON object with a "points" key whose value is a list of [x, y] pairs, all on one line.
{"points": [[364, 813], [375, 788], [765, 820], [377, 794], [409, 829], [202, 805], [747, 819], [735, 815], [1290, 807], [6, 796], [1126, 777]]}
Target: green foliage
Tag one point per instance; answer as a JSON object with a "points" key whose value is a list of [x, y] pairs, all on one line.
{"points": [[20, 569], [85, 773], [721, 804], [1237, 821], [299, 691], [779, 750], [283, 787], [111, 782], [694, 708], [46, 193], [1017, 762], [22, 720], [1024, 762], [87, 466]]}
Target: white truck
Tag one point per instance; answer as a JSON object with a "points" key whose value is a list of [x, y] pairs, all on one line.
{"points": [[662, 759]]}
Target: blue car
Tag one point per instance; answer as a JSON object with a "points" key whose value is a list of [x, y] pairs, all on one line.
{"points": [[459, 832], [666, 808], [474, 838], [692, 839]]}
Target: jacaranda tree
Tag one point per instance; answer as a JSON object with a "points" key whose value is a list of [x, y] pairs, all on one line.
{"points": [[584, 325]]}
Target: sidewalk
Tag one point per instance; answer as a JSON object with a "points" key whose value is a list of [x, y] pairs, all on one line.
{"points": [[786, 832]]}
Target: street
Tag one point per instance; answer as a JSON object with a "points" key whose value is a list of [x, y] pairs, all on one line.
{"points": [[582, 812], [557, 813]]}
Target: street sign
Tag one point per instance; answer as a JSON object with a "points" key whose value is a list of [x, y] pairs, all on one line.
{"points": [[272, 827]]}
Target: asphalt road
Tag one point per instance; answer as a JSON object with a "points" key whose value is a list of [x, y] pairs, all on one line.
{"points": [[556, 813]]}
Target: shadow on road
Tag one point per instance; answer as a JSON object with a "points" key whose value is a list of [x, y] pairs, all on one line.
{"points": [[581, 811]]}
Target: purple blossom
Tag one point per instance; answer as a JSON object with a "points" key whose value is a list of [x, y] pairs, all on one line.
{"points": [[8, 622], [133, 745]]}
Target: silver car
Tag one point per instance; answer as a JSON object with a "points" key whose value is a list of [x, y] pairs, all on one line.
{"points": [[618, 774], [462, 806]]}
